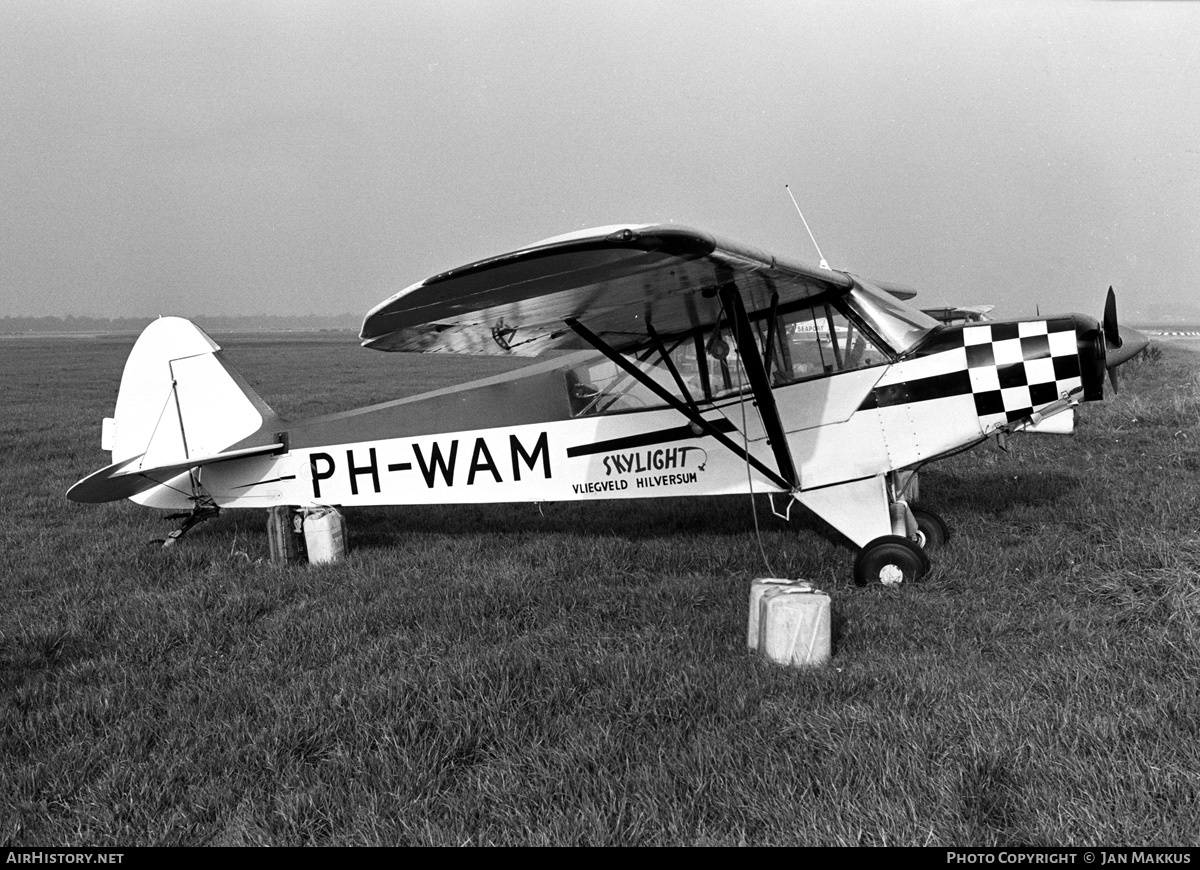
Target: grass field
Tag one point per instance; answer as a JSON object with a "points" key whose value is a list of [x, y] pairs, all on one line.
{"points": [[577, 674]]}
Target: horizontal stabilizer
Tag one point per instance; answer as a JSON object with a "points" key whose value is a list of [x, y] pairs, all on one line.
{"points": [[128, 478]]}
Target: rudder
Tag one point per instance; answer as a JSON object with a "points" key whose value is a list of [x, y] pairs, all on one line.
{"points": [[179, 402], [180, 399]]}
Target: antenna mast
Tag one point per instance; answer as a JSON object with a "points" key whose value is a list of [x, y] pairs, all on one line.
{"points": [[824, 265]]}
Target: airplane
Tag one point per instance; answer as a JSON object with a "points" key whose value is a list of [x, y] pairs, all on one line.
{"points": [[678, 363], [952, 315]]}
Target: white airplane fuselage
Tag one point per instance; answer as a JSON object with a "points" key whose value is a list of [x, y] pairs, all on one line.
{"points": [[515, 439]]}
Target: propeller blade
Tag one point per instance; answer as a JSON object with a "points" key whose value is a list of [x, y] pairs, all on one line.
{"points": [[1112, 332], [1120, 342]]}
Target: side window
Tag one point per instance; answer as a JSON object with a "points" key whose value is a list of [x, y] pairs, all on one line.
{"points": [[721, 356], [818, 341], [600, 386], [807, 343]]}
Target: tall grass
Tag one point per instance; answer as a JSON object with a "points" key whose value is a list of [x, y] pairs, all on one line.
{"points": [[577, 674]]}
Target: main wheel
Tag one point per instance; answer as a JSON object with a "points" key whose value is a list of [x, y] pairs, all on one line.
{"points": [[890, 560], [933, 527]]}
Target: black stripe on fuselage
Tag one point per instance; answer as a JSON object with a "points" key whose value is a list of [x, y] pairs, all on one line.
{"points": [[919, 390], [646, 439]]}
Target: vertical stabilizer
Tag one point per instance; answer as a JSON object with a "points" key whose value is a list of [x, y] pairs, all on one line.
{"points": [[180, 406], [180, 400]]}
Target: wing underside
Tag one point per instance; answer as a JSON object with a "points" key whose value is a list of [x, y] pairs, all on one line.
{"points": [[618, 281]]}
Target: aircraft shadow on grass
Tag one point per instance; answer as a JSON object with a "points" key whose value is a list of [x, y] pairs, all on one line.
{"points": [[995, 492]]}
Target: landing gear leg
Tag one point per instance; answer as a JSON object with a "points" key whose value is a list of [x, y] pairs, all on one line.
{"points": [[203, 510], [924, 527], [931, 527], [901, 556]]}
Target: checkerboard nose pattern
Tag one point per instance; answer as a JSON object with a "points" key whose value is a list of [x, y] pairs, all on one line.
{"points": [[1016, 367]]}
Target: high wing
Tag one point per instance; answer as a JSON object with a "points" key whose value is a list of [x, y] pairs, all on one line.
{"points": [[616, 280]]}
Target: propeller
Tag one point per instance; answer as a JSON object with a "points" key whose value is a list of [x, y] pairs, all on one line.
{"points": [[1120, 342]]}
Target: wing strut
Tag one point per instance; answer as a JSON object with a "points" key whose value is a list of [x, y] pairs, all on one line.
{"points": [[752, 361], [666, 358], [692, 414], [772, 320]]}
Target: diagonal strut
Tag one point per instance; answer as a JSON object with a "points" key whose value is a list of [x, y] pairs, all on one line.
{"points": [[692, 414]]}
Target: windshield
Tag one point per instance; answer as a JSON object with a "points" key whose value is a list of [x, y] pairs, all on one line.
{"points": [[893, 321]]}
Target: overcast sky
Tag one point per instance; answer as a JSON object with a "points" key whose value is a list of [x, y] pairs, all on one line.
{"points": [[299, 156]]}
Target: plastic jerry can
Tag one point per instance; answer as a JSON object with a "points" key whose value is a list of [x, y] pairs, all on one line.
{"points": [[757, 589], [794, 625], [324, 534]]}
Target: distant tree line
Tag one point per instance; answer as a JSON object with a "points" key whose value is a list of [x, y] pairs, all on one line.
{"points": [[212, 323]]}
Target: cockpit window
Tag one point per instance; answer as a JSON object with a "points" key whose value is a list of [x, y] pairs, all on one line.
{"points": [[823, 338], [819, 341]]}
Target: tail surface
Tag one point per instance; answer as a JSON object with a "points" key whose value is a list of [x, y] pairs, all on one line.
{"points": [[180, 405]]}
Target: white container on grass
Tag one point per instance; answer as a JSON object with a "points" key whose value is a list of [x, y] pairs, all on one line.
{"points": [[757, 589], [790, 622], [324, 534]]}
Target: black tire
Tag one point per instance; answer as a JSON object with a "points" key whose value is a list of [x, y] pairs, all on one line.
{"points": [[890, 561], [933, 527]]}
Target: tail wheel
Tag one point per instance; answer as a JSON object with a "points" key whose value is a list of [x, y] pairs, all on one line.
{"points": [[932, 527], [890, 560]]}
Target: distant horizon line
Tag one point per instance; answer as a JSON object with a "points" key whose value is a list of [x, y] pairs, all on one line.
{"points": [[16, 324], [118, 318], [158, 315]]}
